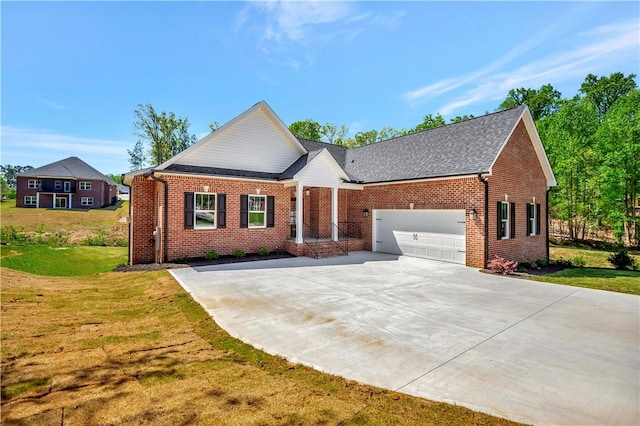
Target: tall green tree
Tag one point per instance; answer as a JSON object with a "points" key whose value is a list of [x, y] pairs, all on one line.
{"points": [[605, 91], [569, 137], [10, 173], [306, 129], [428, 122], [541, 103], [619, 167], [137, 158], [460, 118], [334, 134], [165, 134]]}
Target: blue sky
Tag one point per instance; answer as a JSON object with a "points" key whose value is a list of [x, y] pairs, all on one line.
{"points": [[73, 72]]}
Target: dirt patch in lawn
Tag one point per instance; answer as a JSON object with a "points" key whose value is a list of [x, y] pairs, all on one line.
{"points": [[134, 348]]}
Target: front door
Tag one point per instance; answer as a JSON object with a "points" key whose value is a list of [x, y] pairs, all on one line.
{"points": [[61, 203]]}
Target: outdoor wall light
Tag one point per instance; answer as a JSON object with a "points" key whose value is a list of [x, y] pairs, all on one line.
{"points": [[258, 191], [206, 188], [472, 214], [411, 206], [307, 192], [365, 212]]}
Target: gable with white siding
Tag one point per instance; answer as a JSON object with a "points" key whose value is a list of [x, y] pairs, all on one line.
{"points": [[256, 140], [322, 170]]}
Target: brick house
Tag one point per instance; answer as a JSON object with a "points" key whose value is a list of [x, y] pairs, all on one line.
{"points": [[463, 193], [65, 184]]}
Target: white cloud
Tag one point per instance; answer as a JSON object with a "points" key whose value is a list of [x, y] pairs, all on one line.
{"points": [[37, 147], [602, 46], [51, 104], [285, 26]]}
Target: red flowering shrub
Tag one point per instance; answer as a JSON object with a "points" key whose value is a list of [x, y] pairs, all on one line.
{"points": [[502, 266]]}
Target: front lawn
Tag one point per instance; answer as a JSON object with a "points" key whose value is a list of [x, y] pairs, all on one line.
{"points": [[62, 261], [134, 348], [596, 278]]}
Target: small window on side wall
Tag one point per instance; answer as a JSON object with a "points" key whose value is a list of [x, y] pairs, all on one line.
{"points": [[506, 220], [533, 219], [205, 211]]}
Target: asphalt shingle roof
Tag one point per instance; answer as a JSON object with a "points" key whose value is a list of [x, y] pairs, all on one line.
{"points": [[467, 147], [71, 167]]}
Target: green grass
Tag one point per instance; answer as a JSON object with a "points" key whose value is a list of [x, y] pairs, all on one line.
{"points": [[596, 278], [61, 261], [595, 258], [598, 273]]}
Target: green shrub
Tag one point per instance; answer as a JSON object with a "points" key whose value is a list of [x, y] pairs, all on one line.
{"points": [[579, 261], [211, 255], [622, 260], [239, 253], [183, 259], [95, 240], [542, 262], [263, 251]]}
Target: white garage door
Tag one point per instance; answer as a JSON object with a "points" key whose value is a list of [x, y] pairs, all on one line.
{"points": [[430, 234]]}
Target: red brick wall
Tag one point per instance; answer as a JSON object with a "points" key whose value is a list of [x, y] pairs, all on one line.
{"points": [[464, 193], [197, 242], [142, 221], [518, 174]]}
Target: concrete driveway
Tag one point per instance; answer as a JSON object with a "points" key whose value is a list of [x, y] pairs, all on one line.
{"points": [[532, 352]]}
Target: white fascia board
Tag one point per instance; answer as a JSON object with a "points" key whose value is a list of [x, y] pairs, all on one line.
{"points": [[537, 146], [128, 177], [247, 179], [260, 105]]}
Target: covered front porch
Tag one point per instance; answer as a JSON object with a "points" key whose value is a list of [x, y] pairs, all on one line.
{"points": [[319, 223]]}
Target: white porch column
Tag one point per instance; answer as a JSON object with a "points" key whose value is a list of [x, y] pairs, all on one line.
{"points": [[69, 201], [38, 200], [299, 216], [54, 201], [334, 214]]}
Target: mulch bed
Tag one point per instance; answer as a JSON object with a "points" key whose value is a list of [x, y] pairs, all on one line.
{"points": [[201, 261], [540, 270]]}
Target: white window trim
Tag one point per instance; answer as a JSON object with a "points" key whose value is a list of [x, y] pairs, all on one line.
{"points": [[83, 199], [85, 186], [33, 200], [67, 186], [195, 211], [505, 219], [33, 183], [57, 184], [264, 212], [533, 218]]}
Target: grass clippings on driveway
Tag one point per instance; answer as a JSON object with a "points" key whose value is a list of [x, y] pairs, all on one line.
{"points": [[133, 348]]}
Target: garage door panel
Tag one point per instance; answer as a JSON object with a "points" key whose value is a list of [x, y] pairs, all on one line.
{"points": [[432, 234]]}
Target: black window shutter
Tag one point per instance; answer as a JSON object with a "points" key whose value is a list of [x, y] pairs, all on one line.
{"points": [[538, 219], [271, 201], [244, 211], [188, 210], [512, 221], [528, 219], [222, 211], [499, 218]]}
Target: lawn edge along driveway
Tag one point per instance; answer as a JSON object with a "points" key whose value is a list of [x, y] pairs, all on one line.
{"points": [[528, 351]]}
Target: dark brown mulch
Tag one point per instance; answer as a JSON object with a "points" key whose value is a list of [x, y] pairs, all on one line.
{"points": [[201, 261], [540, 270]]}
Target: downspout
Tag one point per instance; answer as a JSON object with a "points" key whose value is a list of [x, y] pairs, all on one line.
{"points": [[129, 221], [546, 215], [166, 215], [486, 218]]}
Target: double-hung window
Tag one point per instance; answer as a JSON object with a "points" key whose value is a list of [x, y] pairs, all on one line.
{"points": [[506, 224], [533, 219], [204, 211], [86, 201], [257, 211], [33, 183], [29, 200], [58, 184], [85, 186]]}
